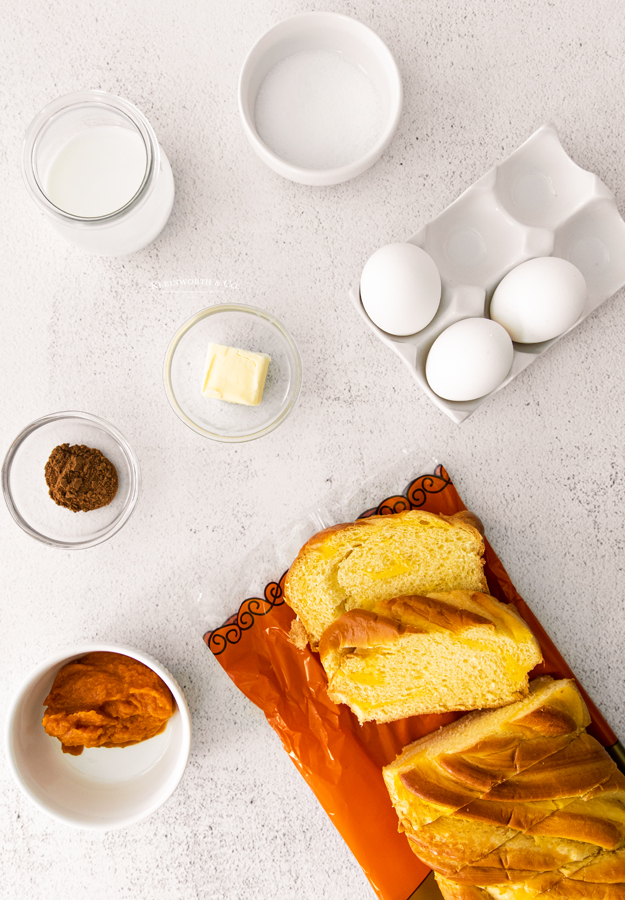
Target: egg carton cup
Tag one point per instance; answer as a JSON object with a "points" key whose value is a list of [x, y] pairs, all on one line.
{"points": [[537, 202]]}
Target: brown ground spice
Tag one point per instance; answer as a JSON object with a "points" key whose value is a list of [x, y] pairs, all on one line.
{"points": [[80, 478]]}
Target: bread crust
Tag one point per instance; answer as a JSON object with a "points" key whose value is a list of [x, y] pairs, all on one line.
{"points": [[572, 771], [434, 610], [606, 868], [361, 629], [464, 519], [391, 619], [548, 721]]}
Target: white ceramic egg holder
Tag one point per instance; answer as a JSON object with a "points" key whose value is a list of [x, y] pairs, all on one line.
{"points": [[537, 202]]}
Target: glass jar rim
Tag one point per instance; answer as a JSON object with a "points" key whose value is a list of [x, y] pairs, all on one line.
{"points": [[57, 108]]}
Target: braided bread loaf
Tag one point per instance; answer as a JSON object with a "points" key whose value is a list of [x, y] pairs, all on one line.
{"points": [[517, 803]]}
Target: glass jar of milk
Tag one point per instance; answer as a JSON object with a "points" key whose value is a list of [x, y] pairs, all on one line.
{"points": [[92, 163]]}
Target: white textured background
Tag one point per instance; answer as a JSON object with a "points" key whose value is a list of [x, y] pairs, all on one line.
{"points": [[541, 462]]}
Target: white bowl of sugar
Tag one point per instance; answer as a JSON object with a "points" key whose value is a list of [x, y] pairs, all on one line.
{"points": [[320, 97]]}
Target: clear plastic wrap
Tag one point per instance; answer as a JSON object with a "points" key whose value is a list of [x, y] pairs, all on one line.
{"points": [[268, 560]]}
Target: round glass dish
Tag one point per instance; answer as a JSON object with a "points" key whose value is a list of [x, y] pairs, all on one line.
{"points": [[26, 492], [246, 328]]}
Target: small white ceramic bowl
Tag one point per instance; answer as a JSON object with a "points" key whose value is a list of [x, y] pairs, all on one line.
{"points": [[103, 788], [321, 31]]}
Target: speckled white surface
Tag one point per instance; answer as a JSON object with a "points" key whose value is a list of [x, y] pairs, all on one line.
{"points": [[542, 462]]}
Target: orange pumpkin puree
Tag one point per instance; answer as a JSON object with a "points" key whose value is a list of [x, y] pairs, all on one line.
{"points": [[106, 700]]}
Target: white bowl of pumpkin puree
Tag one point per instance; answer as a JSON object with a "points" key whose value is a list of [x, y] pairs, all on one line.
{"points": [[98, 736]]}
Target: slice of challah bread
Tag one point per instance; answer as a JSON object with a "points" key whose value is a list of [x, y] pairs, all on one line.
{"points": [[544, 804], [354, 566], [458, 650]]}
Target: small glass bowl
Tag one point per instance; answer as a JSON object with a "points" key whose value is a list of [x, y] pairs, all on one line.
{"points": [[26, 492], [246, 328]]}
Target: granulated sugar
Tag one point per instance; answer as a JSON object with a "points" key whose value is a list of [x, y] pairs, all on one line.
{"points": [[318, 110]]}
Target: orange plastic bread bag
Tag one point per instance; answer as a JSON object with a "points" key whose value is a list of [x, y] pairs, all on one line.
{"points": [[340, 759]]}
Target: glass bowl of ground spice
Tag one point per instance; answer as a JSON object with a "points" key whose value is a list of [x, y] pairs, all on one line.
{"points": [[70, 480]]}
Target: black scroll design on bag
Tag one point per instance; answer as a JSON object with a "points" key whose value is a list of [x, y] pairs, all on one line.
{"points": [[427, 484], [415, 496], [251, 608], [395, 504]]}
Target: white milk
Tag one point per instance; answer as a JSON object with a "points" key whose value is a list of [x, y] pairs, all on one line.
{"points": [[97, 171], [317, 110], [85, 180]]}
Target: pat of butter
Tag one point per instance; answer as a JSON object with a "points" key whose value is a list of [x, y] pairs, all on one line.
{"points": [[236, 376]]}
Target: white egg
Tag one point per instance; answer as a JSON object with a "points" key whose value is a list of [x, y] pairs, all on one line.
{"points": [[539, 299], [469, 359], [400, 288]]}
